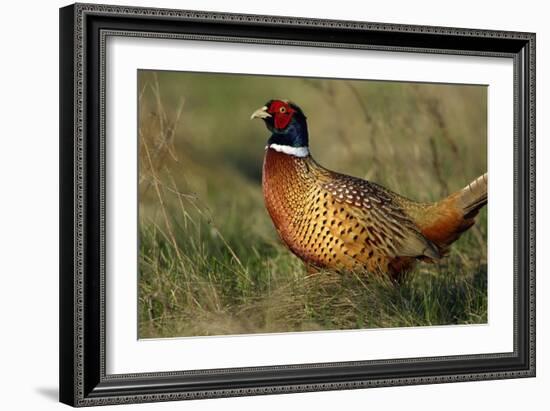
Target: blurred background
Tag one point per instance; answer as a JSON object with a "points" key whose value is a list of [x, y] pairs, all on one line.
{"points": [[210, 260]]}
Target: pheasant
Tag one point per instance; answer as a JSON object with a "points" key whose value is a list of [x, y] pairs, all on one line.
{"points": [[343, 223]]}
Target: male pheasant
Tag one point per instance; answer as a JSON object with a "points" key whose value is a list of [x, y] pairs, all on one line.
{"points": [[335, 221]]}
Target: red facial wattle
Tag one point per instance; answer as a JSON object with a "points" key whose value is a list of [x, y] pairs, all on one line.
{"points": [[282, 113]]}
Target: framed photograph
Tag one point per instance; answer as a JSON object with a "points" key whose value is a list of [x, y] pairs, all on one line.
{"points": [[259, 205]]}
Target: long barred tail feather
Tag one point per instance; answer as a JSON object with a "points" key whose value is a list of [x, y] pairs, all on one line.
{"points": [[474, 196]]}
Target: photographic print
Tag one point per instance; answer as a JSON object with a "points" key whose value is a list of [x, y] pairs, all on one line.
{"points": [[306, 195], [285, 204]]}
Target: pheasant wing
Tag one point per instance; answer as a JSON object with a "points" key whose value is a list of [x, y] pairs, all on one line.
{"points": [[374, 213]]}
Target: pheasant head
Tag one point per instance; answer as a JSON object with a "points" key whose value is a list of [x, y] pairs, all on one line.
{"points": [[287, 124]]}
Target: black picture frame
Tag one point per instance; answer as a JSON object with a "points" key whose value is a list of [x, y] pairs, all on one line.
{"points": [[83, 29]]}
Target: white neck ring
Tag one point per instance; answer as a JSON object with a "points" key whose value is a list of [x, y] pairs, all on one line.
{"points": [[293, 151]]}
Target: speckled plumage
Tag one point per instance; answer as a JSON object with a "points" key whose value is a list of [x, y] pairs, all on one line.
{"points": [[341, 222]]}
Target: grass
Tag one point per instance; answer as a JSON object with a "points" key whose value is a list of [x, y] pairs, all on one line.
{"points": [[210, 261]]}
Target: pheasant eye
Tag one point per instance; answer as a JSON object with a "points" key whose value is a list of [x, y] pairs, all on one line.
{"points": [[282, 110]]}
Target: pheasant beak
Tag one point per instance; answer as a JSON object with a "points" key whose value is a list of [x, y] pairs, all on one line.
{"points": [[260, 113]]}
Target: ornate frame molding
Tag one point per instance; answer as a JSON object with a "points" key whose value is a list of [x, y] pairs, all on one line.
{"points": [[82, 291]]}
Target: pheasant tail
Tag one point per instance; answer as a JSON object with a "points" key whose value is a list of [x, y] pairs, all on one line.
{"points": [[474, 196], [446, 220]]}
